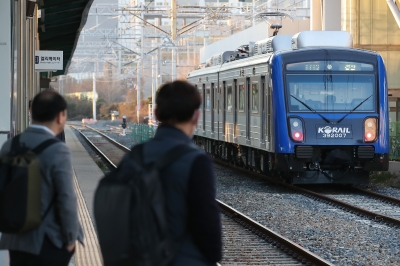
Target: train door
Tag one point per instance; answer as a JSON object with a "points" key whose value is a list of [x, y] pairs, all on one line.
{"points": [[241, 110], [229, 111], [223, 106], [248, 109], [208, 112], [204, 107], [263, 114], [255, 111], [218, 112], [200, 122], [212, 109], [235, 110], [268, 109]]}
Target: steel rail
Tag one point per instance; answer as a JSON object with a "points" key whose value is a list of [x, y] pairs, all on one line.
{"points": [[381, 197], [96, 148], [353, 209], [287, 246], [108, 138], [372, 215]]}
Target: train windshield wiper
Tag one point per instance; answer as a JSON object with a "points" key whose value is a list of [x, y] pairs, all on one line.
{"points": [[341, 119], [311, 109]]}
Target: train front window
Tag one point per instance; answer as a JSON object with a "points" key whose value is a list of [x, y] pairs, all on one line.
{"points": [[331, 92]]}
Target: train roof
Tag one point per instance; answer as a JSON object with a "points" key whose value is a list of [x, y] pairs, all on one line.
{"points": [[332, 48], [254, 60], [265, 49]]}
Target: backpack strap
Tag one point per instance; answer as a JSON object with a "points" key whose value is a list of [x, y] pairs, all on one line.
{"points": [[168, 158], [173, 154], [37, 150], [15, 143], [137, 153], [44, 145]]}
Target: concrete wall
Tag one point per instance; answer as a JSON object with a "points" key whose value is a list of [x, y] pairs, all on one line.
{"points": [[5, 69], [316, 15], [331, 14], [253, 34]]}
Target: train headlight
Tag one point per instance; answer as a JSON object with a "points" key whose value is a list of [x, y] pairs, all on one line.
{"points": [[296, 129], [370, 129], [298, 136]]}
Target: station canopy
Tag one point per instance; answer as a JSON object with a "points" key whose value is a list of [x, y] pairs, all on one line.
{"points": [[60, 24]]}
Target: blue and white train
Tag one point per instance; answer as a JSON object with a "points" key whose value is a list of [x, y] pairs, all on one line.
{"points": [[307, 108]]}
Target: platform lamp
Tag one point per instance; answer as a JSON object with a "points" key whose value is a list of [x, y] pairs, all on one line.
{"points": [[30, 8]]}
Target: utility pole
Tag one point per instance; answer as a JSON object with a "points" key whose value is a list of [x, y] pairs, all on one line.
{"points": [[253, 13], [119, 62], [60, 86], [140, 64], [158, 72], [173, 37], [153, 82], [94, 94]]}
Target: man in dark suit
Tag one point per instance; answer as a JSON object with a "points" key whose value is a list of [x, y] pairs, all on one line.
{"points": [[189, 182], [53, 242], [61, 136]]}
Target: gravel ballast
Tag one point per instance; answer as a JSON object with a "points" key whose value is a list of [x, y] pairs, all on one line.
{"points": [[337, 236], [113, 129]]}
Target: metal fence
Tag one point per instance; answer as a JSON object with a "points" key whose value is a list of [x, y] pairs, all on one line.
{"points": [[394, 132], [142, 132]]}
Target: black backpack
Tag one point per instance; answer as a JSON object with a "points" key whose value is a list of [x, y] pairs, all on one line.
{"points": [[20, 187], [129, 209]]}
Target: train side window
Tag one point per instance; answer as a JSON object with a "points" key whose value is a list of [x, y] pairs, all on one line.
{"points": [[216, 98], [229, 99], [255, 98], [241, 97], [201, 97], [208, 99]]}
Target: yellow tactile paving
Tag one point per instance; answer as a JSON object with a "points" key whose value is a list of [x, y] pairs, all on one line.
{"points": [[90, 254]]}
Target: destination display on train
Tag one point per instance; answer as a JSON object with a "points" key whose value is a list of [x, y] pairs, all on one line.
{"points": [[329, 66]]}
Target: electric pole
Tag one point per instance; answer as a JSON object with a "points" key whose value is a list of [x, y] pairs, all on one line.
{"points": [[140, 64], [94, 94], [173, 37]]}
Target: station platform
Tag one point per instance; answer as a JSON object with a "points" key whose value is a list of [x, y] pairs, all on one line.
{"points": [[87, 176]]}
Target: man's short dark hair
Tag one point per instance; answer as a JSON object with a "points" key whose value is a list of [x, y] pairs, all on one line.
{"points": [[47, 105], [176, 102]]}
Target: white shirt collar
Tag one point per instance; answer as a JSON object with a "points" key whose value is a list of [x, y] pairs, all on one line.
{"points": [[43, 127]]}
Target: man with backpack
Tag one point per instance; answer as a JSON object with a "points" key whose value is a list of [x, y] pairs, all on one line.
{"points": [[50, 238], [159, 207]]}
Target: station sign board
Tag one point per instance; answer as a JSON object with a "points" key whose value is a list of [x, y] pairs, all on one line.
{"points": [[48, 60]]}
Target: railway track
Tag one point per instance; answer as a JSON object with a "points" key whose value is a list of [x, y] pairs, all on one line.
{"points": [[246, 242], [364, 199], [383, 214], [110, 150]]}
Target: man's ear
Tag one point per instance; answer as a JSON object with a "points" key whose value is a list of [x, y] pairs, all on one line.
{"points": [[60, 117], [156, 113], [195, 117]]}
